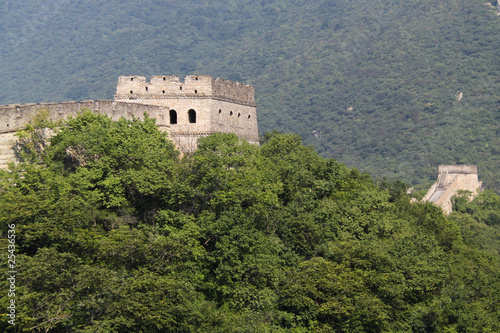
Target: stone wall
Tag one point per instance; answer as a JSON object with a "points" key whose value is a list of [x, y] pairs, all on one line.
{"points": [[15, 117], [163, 86], [235, 118], [451, 179], [226, 90], [187, 110], [7, 143], [219, 105], [461, 169]]}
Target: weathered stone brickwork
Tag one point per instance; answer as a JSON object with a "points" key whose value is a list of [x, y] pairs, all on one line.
{"points": [[198, 106], [451, 179], [187, 110], [15, 117]]}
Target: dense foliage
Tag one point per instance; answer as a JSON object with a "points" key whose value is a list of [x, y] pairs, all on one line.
{"points": [[116, 233], [392, 87]]}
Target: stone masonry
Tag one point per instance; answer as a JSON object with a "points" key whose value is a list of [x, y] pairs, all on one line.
{"points": [[15, 117], [187, 110], [451, 179], [197, 107]]}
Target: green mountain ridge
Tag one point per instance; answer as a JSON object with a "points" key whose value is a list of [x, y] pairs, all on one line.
{"points": [[372, 84]]}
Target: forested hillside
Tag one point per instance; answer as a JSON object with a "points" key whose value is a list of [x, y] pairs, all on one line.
{"points": [[112, 232], [392, 87]]}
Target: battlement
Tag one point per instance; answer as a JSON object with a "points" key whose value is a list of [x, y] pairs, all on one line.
{"points": [[194, 86]]}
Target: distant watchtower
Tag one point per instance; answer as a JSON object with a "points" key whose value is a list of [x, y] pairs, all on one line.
{"points": [[451, 179], [197, 107]]}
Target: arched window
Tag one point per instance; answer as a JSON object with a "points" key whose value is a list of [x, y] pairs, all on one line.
{"points": [[173, 117], [192, 116]]}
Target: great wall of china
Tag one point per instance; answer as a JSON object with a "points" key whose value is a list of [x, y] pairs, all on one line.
{"points": [[451, 180], [188, 110]]}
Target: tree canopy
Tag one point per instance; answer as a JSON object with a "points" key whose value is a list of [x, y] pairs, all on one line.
{"points": [[116, 233]]}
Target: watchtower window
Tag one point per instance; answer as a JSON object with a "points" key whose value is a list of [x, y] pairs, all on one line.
{"points": [[173, 117], [131, 92], [249, 116], [231, 113], [131, 79], [146, 88], [239, 115], [196, 91], [164, 79], [192, 116], [163, 91], [220, 111], [180, 88]]}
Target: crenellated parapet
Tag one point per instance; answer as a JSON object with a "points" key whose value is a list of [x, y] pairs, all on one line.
{"points": [[227, 90], [164, 87]]}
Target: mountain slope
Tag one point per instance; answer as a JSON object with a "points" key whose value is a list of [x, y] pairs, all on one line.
{"points": [[393, 88]]}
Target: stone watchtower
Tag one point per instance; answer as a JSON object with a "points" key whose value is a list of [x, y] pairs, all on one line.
{"points": [[197, 107], [451, 179]]}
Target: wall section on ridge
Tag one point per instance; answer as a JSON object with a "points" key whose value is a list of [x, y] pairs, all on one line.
{"points": [[188, 110], [451, 180], [16, 116]]}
